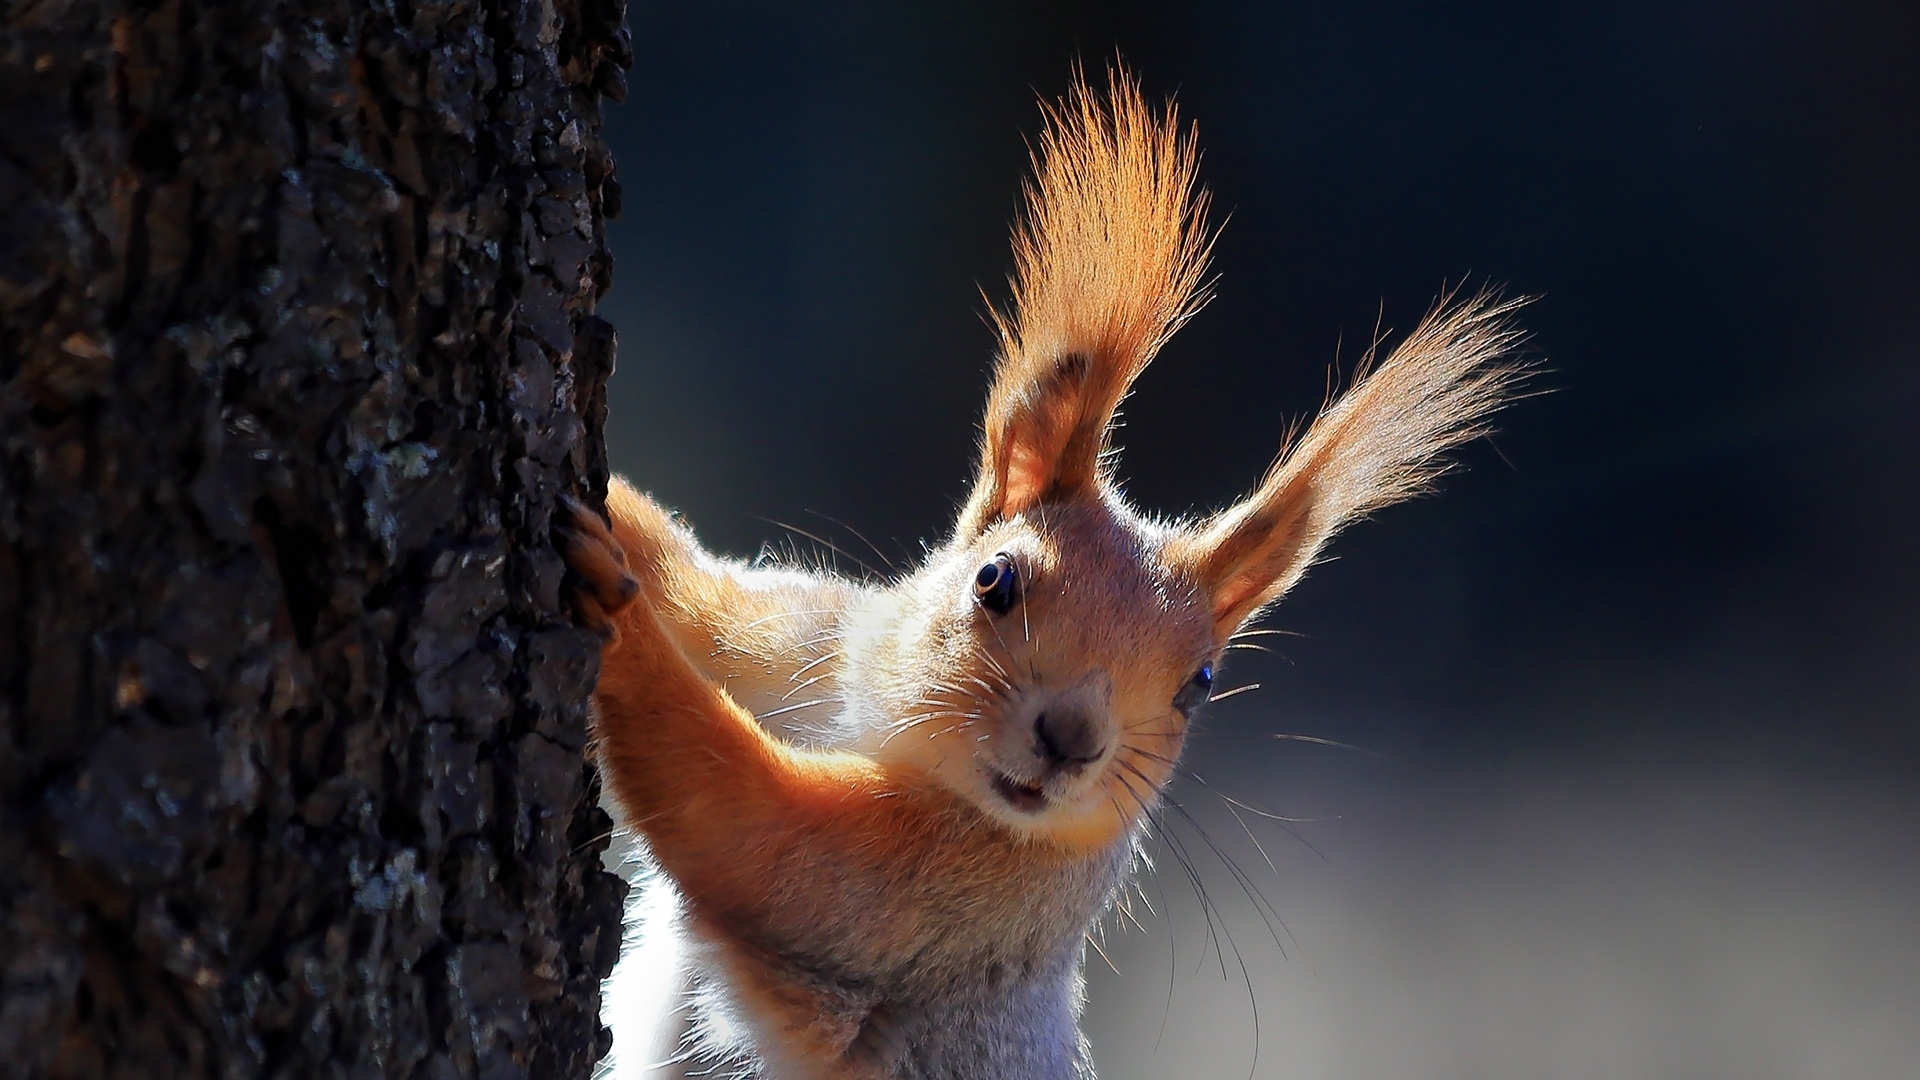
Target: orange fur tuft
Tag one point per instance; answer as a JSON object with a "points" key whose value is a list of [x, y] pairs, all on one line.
{"points": [[1107, 265], [1379, 443]]}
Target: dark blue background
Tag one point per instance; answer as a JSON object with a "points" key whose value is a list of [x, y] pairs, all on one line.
{"points": [[1675, 595]]}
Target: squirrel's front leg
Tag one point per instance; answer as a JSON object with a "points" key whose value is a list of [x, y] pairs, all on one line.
{"points": [[726, 807], [770, 634], [778, 850]]}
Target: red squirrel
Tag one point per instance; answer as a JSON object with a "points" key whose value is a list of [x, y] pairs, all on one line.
{"points": [[904, 889]]}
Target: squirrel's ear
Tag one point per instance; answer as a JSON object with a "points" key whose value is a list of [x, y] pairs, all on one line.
{"points": [[1381, 442], [1107, 265]]}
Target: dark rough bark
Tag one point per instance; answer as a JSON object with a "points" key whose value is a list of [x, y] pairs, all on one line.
{"points": [[297, 350]]}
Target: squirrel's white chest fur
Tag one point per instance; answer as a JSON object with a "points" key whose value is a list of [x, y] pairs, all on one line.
{"points": [[673, 1014]]}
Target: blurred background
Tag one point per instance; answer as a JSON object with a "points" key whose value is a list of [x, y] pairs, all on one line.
{"points": [[1637, 695]]}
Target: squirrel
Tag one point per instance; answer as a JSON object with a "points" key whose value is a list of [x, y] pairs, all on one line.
{"points": [[904, 889]]}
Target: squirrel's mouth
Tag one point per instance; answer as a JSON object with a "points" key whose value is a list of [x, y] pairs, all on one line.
{"points": [[1026, 798]]}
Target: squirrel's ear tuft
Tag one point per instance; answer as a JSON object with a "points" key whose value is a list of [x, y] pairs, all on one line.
{"points": [[1107, 265], [1381, 442]]}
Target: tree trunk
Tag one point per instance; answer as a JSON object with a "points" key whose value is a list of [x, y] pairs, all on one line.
{"points": [[297, 350]]}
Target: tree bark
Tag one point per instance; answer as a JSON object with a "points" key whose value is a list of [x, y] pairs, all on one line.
{"points": [[297, 351]]}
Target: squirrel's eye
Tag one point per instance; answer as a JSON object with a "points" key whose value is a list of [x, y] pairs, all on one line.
{"points": [[1195, 693], [997, 585]]}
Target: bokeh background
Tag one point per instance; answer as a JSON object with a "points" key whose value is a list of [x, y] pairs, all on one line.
{"points": [[1637, 696]]}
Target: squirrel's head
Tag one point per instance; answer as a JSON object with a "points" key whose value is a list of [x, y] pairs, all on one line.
{"points": [[1045, 663]]}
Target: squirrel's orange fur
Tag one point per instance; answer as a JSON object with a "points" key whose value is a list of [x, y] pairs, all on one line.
{"points": [[901, 890]]}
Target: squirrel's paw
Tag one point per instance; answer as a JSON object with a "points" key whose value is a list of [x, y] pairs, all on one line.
{"points": [[601, 584]]}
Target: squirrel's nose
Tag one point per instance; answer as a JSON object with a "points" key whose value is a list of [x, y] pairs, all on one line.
{"points": [[1068, 738]]}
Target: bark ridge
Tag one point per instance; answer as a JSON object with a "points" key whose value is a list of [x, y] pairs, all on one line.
{"points": [[297, 351]]}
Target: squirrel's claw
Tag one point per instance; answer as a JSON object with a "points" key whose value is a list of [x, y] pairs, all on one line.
{"points": [[599, 583]]}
